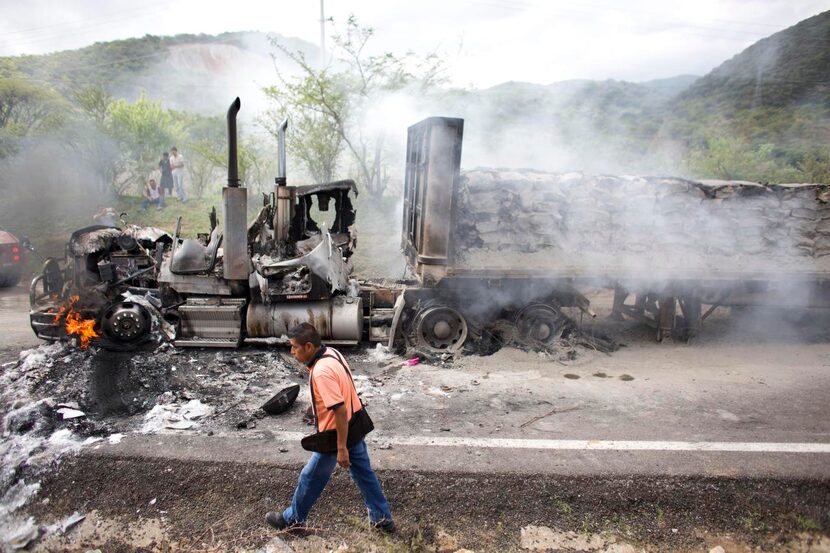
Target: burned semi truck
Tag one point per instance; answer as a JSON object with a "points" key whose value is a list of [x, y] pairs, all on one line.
{"points": [[483, 246]]}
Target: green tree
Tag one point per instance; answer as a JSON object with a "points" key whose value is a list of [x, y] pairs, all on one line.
{"points": [[89, 137], [815, 165], [255, 166], [734, 158], [26, 110], [313, 136], [143, 130], [334, 103], [204, 143]]}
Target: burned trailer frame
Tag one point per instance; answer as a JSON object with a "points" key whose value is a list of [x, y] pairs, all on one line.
{"points": [[673, 300]]}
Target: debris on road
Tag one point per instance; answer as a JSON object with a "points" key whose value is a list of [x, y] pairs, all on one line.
{"points": [[175, 416], [282, 401], [67, 413]]}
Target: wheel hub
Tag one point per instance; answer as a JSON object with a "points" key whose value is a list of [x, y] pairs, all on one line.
{"points": [[126, 322], [441, 329], [540, 323]]}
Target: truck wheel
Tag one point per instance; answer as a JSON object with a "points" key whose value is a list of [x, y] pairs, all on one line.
{"points": [[540, 323], [126, 323], [439, 328]]}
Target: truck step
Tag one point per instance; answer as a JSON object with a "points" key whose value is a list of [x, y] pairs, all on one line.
{"points": [[211, 322]]}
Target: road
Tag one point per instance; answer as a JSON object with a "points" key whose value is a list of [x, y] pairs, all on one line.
{"points": [[15, 331]]}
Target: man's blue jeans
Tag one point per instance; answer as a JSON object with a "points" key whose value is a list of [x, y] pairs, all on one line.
{"points": [[315, 475], [145, 203]]}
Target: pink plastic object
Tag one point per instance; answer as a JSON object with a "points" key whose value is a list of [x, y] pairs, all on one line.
{"points": [[410, 362]]}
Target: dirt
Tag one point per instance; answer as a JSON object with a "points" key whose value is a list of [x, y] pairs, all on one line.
{"points": [[203, 505]]}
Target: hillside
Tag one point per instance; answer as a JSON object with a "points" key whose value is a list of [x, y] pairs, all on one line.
{"points": [[765, 113], [196, 73], [791, 67], [762, 115]]}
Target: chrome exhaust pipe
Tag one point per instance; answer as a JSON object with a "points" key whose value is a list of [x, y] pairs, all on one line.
{"points": [[233, 165], [281, 174], [235, 209]]}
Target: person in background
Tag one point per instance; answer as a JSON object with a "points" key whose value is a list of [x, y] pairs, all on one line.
{"points": [[166, 175], [177, 168], [152, 194]]}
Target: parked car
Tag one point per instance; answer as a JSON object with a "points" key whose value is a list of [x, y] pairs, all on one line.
{"points": [[11, 259]]}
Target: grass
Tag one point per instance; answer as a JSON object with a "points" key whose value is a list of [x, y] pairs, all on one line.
{"points": [[661, 516], [807, 524], [563, 506], [752, 523]]}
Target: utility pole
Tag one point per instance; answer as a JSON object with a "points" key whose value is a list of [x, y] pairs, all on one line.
{"points": [[322, 36]]}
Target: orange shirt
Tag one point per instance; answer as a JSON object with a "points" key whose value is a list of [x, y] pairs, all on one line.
{"points": [[332, 387]]}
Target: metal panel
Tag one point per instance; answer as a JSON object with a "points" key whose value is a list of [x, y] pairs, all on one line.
{"points": [[214, 320], [432, 173], [235, 236]]}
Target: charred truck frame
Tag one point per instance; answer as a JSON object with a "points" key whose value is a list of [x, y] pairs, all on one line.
{"points": [[252, 282]]}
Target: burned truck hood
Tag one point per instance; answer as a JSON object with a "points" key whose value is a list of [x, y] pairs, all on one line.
{"points": [[102, 238], [325, 261]]}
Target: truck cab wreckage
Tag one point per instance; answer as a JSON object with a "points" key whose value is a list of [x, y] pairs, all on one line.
{"points": [[250, 283]]}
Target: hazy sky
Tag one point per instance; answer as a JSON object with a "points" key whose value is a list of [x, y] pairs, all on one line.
{"points": [[485, 41]]}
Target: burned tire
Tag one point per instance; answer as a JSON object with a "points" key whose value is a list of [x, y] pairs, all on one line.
{"points": [[540, 323], [438, 328]]}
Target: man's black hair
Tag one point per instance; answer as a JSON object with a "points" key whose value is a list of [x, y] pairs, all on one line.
{"points": [[304, 333]]}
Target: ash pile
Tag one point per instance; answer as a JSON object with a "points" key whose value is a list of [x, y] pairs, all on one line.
{"points": [[58, 399], [622, 224]]}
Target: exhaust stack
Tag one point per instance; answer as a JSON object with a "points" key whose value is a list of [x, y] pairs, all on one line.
{"points": [[284, 194], [234, 208], [281, 152]]}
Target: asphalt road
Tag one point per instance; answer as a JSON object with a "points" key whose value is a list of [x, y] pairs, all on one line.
{"points": [[15, 331]]}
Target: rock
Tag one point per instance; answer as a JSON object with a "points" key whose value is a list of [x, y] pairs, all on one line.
{"points": [[717, 549], [277, 545], [20, 534]]}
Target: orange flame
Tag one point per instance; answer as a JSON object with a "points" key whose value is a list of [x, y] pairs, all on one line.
{"points": [[83, 328]]}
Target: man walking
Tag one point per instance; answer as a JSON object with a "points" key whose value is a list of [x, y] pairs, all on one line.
{"points": [[177, 168], [334, 399]]}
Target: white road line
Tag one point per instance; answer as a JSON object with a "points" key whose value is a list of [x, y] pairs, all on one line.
{"points": [[593, 445]]}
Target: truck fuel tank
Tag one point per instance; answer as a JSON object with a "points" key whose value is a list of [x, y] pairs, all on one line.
{"points": [[339, 318]]}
